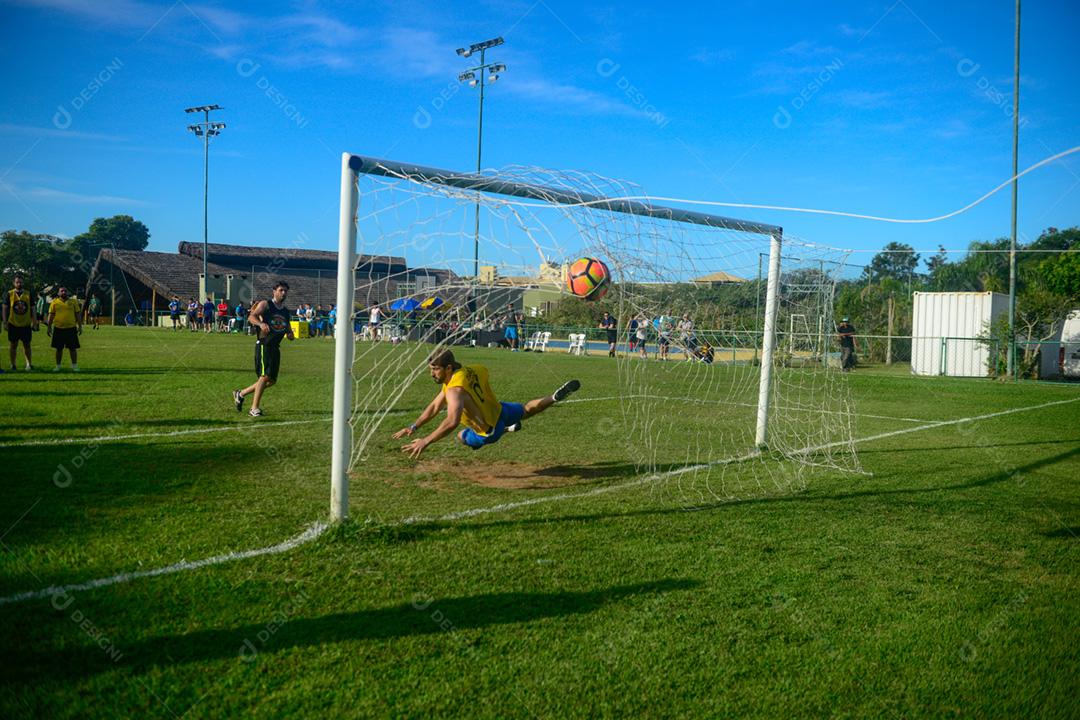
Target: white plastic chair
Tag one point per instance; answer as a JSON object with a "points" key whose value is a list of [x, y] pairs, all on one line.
{"points": [[577, 344], [533, 341], [544, 338]]}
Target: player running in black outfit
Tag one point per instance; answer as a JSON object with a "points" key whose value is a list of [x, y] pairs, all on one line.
{"points": [[270, 318]]}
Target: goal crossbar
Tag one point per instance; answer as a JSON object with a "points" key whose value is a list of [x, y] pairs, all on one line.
{"points": [[494, 185], [352, 166]]}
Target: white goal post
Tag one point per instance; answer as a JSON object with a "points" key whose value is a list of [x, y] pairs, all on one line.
{"points": [[353, 166]]}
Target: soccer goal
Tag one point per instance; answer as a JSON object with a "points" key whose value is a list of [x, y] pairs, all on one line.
{"points": [[703, 380]]}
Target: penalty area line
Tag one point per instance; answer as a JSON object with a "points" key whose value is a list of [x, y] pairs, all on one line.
{"points": [[318, 528]]}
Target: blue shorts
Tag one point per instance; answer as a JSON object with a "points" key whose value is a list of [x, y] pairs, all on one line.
{"points": [[511, 413], [511, 334]]}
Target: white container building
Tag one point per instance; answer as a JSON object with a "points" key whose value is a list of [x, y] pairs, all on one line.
{"points": [[945, 330]]}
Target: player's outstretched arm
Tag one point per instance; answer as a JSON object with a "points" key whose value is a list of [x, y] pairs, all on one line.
{"points": [[454, 407], [430, 411]]}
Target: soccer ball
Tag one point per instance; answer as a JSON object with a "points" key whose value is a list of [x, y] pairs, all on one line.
{"points": [[588, 278]]}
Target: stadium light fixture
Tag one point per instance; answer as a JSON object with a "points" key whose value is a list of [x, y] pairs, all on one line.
{"points": [[205, 130], [474, 76]]}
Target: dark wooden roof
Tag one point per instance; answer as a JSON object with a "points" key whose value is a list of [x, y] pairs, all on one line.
{"points": [[168, 274], [243, 257]]}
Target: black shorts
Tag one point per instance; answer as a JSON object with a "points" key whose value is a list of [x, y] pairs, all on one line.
{"points": [[174, 316], [267, 360], [19, 334], [612, 336], [663, 341], [65, 338]]}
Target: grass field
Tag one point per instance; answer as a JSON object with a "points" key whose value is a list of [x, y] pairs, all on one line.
{"points": [[940, 581]]}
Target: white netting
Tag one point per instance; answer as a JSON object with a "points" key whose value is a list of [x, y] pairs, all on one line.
{"points": [[689, 419]]}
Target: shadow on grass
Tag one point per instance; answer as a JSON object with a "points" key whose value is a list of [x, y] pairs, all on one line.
{"points": [[1069, 533], [424, 615], [419, 529]]}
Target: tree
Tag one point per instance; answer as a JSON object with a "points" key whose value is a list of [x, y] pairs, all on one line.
{"points": [[38, 258], [121, 231], [896, 260]]}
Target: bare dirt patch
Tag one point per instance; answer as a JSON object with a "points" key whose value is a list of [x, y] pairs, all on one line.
{"points": [[504, 475]]}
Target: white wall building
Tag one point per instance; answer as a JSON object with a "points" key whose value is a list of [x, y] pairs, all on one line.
{"points": [[945, 328]]}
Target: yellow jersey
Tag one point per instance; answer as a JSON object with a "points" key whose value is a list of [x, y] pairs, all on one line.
{"points": [[473, 379], [19, 308], [64, 312]]}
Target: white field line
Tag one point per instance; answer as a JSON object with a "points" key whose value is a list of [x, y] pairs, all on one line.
{"points": [[740, 404], [136, 436], [176, 433], [308, 535], [318, 528]]}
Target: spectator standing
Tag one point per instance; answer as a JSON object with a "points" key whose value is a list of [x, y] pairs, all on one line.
{"points": [[64, 315], [239, 316], [510, 328], [192, 315], [19, 320], [642, 335], [208, 311], [846, 333], [610, 325], [174, 312], [686, 336], [374, 320], [664, 340], [631, 331], [223, 315], [93, 310], [333, 320]]}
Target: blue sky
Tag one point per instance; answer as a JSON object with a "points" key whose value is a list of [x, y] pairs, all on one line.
{"points": [[898, 108]]}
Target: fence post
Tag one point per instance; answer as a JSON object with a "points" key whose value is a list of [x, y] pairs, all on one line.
{"points": [[889, 333]]}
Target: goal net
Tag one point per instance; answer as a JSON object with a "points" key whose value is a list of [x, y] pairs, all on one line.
{"points": [[724, 381]]}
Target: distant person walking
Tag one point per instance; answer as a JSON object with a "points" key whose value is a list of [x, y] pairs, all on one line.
{"points": [[846, 333], [19, 320], [64, 315], [610, 325], [270, 318]]}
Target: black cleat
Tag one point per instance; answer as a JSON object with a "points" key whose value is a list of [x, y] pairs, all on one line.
{"points": [[566, 390], [516, 427], [239, 400]]}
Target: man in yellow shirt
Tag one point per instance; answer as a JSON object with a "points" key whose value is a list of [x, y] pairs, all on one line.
{"points": [[64, 314], [468, 398], [19, 320]]}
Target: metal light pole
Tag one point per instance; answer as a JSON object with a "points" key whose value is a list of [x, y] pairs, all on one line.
{"points": [[1009, 362], [205, 130], [475, 76]]}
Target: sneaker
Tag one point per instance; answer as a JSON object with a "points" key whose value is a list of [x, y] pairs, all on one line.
{"points": [[239, 400], [29, 367], [566, 390], [74, 368], [514, 428], [56, 369], [255, 412]]}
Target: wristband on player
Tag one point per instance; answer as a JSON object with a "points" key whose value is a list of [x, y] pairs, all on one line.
{"points": [[413, 427]]}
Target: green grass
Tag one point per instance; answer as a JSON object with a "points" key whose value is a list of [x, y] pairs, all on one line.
{"points": [[940, 581]]}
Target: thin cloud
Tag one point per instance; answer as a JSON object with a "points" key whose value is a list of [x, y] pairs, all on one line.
{"points": [[46, 194], [47, 132], [864, 99], [707, 56], [570, 97], [809, 49]]}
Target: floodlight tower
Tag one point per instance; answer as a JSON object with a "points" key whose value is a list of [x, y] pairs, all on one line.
{"points": [[205, 130], [474, 76]]}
